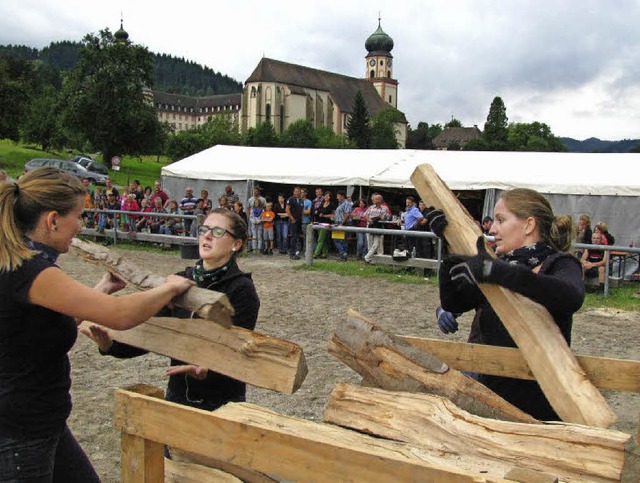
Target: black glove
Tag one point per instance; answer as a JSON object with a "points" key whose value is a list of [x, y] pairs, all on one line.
{"points": [[446, 321], [472, 269], [436, 220]]}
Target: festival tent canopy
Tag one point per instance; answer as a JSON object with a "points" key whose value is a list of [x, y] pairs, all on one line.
{"points": [[608, 174]]}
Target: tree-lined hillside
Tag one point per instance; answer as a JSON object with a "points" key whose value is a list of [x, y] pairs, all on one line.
{"points": [[172, 74]]}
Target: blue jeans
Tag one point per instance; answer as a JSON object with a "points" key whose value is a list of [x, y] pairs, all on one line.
{"points": [[282, 235], [341, 245], [57, 458], [362, 248]]}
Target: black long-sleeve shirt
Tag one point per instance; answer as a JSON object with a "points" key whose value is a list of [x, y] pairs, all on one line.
{"points": [[557, 286], [217, 389]]}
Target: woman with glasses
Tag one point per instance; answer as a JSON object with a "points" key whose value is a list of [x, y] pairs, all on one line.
{"points": [[221, 238]]}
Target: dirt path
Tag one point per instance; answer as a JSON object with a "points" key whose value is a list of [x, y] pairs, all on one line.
{"points": [[304, 307]]}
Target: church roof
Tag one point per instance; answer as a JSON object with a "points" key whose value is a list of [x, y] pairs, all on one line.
{"points": [[342, 88], [461, 135], [379, 42]]}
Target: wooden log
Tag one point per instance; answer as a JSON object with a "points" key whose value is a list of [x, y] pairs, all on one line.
{"points": [[228, 470], [391, 363], [284, 447], [142, 460], [208, 304], [572, 452], [538, 337], [254, 358], [604, 372]]}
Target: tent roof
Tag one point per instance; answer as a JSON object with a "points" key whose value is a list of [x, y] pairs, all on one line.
{"points": [[561, 173]]}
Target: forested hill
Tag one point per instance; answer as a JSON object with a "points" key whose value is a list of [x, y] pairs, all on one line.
{"points": [[175, 75], [595, 145]]}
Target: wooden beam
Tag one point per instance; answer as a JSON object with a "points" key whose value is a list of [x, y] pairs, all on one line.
{"points": [[603, 372], [284, 447], [208, 304], [434, 423], [142, 460], [538, 337], [390, 363], [251, 357], [228, 469]]}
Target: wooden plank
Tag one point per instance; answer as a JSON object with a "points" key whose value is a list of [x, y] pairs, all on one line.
{"points": [[569, 451], [142, 460], [523, 475], [604, 372], [208, 304], [391, 363], [230, 470], [284, 447], [538, 337], [251, 357]]}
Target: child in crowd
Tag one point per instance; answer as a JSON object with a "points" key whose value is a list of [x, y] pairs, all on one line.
{"points": [[255, 225], [130, 204], [267, 227]]}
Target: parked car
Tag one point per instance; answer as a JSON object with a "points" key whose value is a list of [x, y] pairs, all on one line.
{"points": [[66, 165], [91, 165]]}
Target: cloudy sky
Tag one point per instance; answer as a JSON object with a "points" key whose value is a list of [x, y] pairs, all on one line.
{"points": [[574, 64]]}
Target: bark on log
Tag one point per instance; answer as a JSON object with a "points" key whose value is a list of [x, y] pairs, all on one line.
{"points": [[207, 304], [561, 378], [284, 447], [393, 364], [251, 357], [572, 452]]}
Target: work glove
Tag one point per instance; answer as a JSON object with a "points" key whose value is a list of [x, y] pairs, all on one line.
{"points": [[446, 321], [472, 269], [436, 221]]}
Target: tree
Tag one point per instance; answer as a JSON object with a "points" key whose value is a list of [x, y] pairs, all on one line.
{"points": [[478, 144], [185, 143], [495, 129], [262, 135], [384, 128], [299, 134], [16, 85], [535, 136], [453, 123], [220, 129], [327, 139], [41, 124], [105, 100], [419, 138], [358, 130]]}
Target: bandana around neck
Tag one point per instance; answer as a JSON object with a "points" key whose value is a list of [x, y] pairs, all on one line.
{"points": [[205, 277], [530, 255], [44, 251]]}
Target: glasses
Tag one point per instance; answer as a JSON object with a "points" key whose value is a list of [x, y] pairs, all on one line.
{"points": [[216, 231]]}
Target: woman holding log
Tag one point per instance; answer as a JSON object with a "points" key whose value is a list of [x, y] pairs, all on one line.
{"points": [[221, 239], [532, 246], [39, 306]]}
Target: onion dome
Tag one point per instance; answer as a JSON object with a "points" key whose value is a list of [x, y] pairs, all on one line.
{"points": [[379, 42], [121, 34]]}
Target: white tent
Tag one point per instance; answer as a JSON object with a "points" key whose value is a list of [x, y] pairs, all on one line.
{"points": [[606, 186]]}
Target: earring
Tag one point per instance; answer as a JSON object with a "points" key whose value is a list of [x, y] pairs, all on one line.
{"points": [[233, 249]]}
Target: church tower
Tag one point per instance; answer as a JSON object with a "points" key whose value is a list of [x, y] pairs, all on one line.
{"points": [[379, 68]]}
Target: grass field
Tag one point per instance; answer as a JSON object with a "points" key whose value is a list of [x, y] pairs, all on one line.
{"points": [[145, 169]]}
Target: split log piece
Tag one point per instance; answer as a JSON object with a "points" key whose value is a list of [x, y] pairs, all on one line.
{"points": [[248, 356], [207, 304], [572, 452], [538, 337], [391, 363], [284, 447]]}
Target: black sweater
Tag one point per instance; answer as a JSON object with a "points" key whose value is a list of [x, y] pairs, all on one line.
{"points": [[216, 389], [557, 286]]}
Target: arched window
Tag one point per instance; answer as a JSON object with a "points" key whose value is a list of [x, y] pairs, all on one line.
{"points": [[389, 74], [281, 118], [373, 74], [267, 112], [381, 62]]}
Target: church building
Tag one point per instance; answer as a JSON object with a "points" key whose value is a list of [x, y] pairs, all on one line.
{"points": [[282, 93]]}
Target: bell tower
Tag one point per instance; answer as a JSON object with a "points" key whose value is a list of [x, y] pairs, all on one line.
{"points": [[379, 65]]}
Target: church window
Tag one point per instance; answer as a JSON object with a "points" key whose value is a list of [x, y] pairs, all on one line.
{"points": [[281, 118], [390, 100], [373, 74], [267, 112], [381, 62], [389, 74]]}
